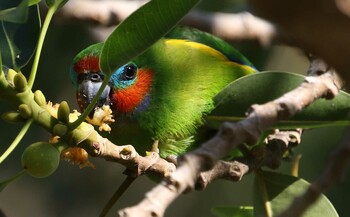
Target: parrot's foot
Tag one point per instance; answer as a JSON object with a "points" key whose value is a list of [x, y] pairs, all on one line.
{"points": [[172, 159]]}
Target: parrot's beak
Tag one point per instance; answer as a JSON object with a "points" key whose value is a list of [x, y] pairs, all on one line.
{"points": [[88, 89]]}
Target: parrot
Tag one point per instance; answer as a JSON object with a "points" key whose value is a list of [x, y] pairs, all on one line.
{"points": [[164, 93]]}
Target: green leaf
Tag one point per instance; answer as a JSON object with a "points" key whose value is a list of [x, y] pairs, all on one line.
{"points": [[33, 2], [233, 102], [140, 30], [230, 211], [19, 40], [15, 14], [57, 4], [275, 192]]}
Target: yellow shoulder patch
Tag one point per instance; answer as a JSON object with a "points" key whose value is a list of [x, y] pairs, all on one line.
{"points": [[198, 46], [215, 53]]}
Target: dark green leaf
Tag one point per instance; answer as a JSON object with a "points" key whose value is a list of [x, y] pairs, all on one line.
{"points": [[229, 211], [19, 40], [15, 14], [233, 102], [275, 192], [140, 30], [33, 2], [55, 3]]}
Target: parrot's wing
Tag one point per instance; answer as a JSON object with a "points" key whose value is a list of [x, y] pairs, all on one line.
{"points": [[218, 44]]}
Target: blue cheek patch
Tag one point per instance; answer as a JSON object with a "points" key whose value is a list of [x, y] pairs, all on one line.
{"points": [[73, 77], [143, 105], [117, 79]]}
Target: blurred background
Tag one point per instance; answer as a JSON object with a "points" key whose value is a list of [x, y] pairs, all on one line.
{"points": [[72, 191]]}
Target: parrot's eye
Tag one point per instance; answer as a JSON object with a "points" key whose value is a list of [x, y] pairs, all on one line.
{"points": [[129, 72]]}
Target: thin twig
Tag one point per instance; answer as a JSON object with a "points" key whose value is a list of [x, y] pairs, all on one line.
{"points": [[120, 191]]}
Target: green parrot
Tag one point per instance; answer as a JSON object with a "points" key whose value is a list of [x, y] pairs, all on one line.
{"points": [[164, 93]]}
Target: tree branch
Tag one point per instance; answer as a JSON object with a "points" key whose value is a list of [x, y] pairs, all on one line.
{"points": [[231, 27], [270, 155]]}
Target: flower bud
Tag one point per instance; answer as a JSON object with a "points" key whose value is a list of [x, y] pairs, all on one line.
{"points": [[25, 111], [10, 75], [12, 117], [39, 98], [59, 129], [63, 112], [20, 82]]}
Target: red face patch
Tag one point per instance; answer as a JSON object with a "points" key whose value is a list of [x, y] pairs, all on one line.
{"points": [[87, 64], [126, 100]]}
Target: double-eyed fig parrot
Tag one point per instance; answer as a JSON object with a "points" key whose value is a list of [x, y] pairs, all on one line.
{"points": [[164, 93]]}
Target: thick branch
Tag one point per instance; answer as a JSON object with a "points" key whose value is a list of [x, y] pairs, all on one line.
{"points": [[242, 26], [126, 155]]}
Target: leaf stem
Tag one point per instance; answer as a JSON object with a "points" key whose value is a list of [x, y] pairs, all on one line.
{"points": [[8, 40], [122, 188], [295, 166], [41, 39], [265, 197], [15, 142], [1, 64], [3, 184], [86, 112]]}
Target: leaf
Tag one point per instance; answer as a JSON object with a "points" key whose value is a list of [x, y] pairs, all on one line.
{"points": [[18, 14], [233, 102], [275, 192], [57, 4], [33, 2], [230, 211], [19, 40], [140, 30], [15, 14]]}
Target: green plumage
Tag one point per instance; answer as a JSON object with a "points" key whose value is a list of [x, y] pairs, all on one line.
{"points": [[189, 68]]}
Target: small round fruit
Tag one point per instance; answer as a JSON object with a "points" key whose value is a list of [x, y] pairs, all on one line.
{"points": [[40, 159]]}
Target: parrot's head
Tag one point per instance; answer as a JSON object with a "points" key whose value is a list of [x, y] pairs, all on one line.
{"points": [[127, 90]]}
